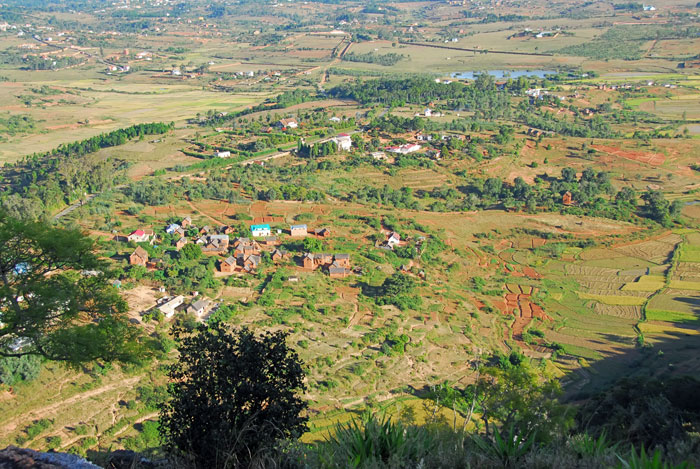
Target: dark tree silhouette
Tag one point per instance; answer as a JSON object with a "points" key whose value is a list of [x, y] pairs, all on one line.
{"points": [[234, 394]]}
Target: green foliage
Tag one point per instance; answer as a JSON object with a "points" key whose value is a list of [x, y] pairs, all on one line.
{"points": [[233, 395], [42, 262], [375, 442], [646, 412], [373, 58], [35, 429], [645, 460], [191, 251], [508, 448], [14, 370], [312, 244]]}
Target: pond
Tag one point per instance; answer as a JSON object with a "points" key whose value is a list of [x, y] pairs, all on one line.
{"points": [[504, 74]]}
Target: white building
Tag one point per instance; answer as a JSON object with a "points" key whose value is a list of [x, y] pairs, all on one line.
{"points": [[168, 308], [223, 154], [343, 141], [404, 149]]}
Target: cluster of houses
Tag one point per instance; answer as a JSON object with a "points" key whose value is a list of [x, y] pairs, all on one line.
{"points": [[242, 254], [175, 304], [337, 265]]}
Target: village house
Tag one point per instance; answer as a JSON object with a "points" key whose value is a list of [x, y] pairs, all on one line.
{"points": [[204, 230], [198, 307], [226, 229], [228, 265], [245, 246], [342, 260], [322, 232], [298, 230], [278, 255], [223, 154], [287, 124], [404, 149], [215, 243], [567, 198], [186, 222], [338, 272], [393, 240], [271, 241], [138, 236], [172, 228], [343, 141], [169, 308], [378, 155], [313, 260], [251, 262], [260, 230], [138, 257], [180, 243]]}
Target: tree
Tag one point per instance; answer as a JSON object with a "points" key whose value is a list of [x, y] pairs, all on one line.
{"points": [[312, 245], [234, 394], [52, 307], [191, 251], [514, 396], [398, 284]]}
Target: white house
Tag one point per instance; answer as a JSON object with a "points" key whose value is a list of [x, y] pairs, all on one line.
{"points": [[168, 308], [138, 236], [427, 112], [223, 154], [198, 307], [334, 119], [173, 228], [393, 240], [404, 149], [343, 141], [260, 230]]}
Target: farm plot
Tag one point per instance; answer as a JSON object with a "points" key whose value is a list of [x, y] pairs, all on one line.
{"points": [[687, 271], [690, 253], [652, 159], [616, 298], [675, 306], [619, 311], [656, 251], [645, 283], [601, 274]]}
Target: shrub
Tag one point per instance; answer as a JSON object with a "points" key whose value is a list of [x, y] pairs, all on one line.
{"points": [[234, 395]]}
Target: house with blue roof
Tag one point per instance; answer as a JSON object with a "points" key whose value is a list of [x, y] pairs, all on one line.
{"points": [[260, 230]]}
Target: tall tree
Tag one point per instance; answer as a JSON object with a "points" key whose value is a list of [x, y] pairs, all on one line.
{"points": [[55, 299], [234, 394]]}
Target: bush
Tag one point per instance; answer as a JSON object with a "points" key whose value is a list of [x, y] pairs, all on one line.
{"points": [[233, 395]]}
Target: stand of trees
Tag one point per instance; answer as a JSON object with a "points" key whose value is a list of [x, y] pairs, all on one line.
{"points": [[482, 98], [47, 180]]}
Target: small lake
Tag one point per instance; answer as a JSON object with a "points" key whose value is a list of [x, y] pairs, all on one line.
{"points": [[504, 74]]}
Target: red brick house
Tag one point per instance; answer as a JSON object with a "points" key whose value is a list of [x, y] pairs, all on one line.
{"points": [[228, 265], [139, 257], [567, 199]]}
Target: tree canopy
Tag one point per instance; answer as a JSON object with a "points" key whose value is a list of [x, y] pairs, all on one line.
{"points": [[234, 394], [56, 299]]}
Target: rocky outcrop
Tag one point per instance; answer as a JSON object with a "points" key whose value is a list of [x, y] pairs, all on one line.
{"points": [[22, 458]]}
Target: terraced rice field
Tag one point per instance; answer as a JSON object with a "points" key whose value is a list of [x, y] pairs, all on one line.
{"points": [[645, 283], [620, 311]]}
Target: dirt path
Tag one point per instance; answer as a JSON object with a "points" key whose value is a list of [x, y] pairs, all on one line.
{"points": [[50, 409], [204, 214]]}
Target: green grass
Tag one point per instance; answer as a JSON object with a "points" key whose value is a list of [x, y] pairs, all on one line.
{"points": [[690, 253], [671, 316]]}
